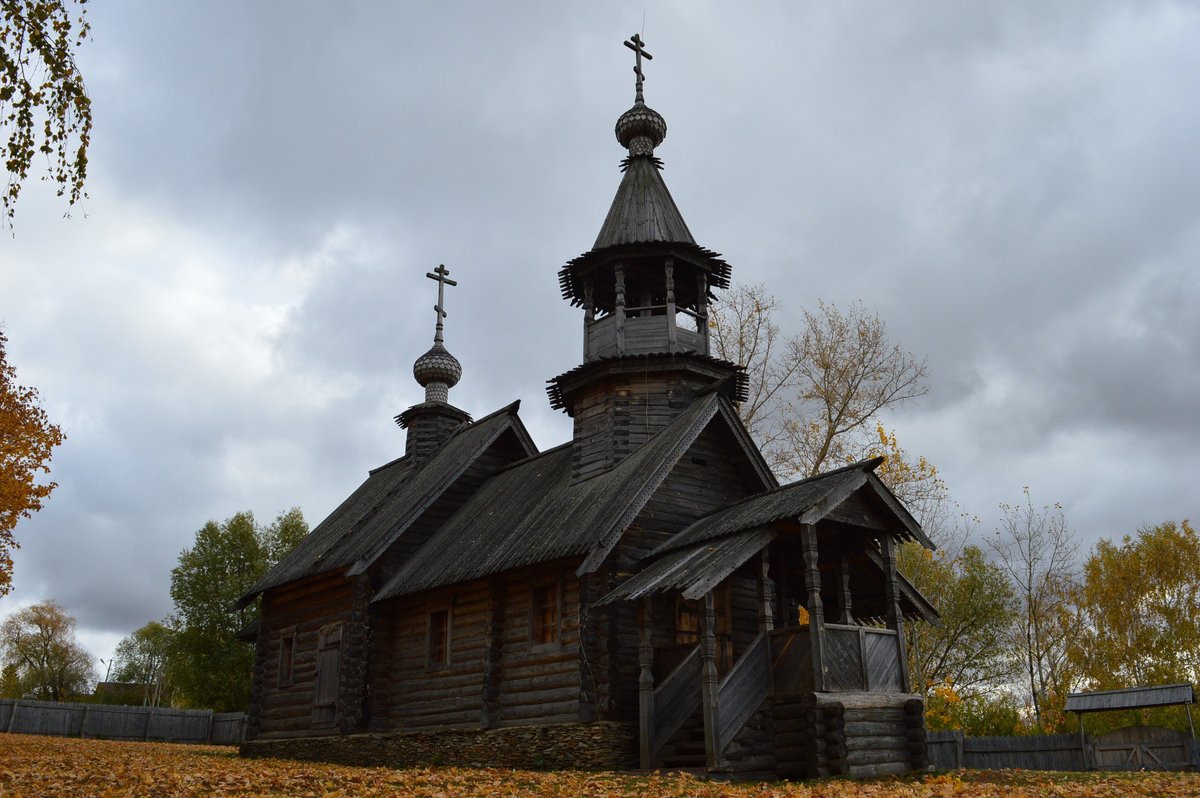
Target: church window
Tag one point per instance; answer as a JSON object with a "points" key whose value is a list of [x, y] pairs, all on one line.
{"points": [[545, 615], [439, 638], [287, 656]]}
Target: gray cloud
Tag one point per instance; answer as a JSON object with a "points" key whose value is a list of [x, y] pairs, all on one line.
{"points": [[233, 324]]}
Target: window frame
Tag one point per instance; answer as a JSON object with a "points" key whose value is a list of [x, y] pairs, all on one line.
{"points": [[285, 675], [534, 614], [448, 637]]}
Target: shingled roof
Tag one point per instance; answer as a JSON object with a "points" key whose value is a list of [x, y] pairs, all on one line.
{"points": [[643, 211], [387, 503], [531, 512], [805, 501]]}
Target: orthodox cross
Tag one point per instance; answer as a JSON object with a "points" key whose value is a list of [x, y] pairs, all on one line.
{"points": [[636, 44], [442, 275]]}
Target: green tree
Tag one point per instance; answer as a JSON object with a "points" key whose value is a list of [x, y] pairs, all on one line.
{"points": [[44, 106], [1140, 601], [968, 649], [27, 440], [142, 659], [210, 667], [42, 658]]}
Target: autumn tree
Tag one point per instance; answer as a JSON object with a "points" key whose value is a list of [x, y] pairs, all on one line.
{"points": [[142, 659], [45, 110], [41, 655], [814, 398], [210, 667], [1140, 601], [1038, 552], [27, 440]]}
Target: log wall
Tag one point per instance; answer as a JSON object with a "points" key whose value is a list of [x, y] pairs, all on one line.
{"points": [[301, 609], [495, 676]]}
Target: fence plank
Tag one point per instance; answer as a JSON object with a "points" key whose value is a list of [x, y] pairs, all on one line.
{"points": [[116, 722]]}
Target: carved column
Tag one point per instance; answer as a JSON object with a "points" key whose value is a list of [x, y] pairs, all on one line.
{"points": [[844, 611], [891, 592], [702, 308], [619, 309], [710, 685], [766, 613], [670, 278], [816, 611], [646, 682]]}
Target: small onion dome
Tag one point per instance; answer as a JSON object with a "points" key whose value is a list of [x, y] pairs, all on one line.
{"points": [[641, 129], [437, 371]]}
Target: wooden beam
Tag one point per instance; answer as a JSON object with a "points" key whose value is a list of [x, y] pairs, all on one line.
{"points": [[766, 613], [816, 610], [669, 269], [619, 308], [646, 683], [843, 574], [891, 588], [710, 685]]}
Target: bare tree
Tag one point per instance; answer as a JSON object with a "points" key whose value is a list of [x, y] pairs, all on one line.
{"points": [[742, 331], [814, 398], [1039, 553]]}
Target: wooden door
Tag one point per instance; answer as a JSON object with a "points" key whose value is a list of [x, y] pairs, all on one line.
{"points": [[328, 675]]}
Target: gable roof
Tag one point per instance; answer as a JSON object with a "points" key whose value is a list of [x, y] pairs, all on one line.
{"points": [[393, 496], [531, 512], [806, 501], [1131, 698]]}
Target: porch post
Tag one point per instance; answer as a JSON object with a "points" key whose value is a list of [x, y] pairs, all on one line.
{"points": [[895, 620], [844, 611], [816, 611], [646, 684], [709, 686], [619, 306], [670, 280], [766, 614]]}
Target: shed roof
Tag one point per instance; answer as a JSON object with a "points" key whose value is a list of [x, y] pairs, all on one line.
{"points": [[532, 512], [1131, 698], [387, 503]]}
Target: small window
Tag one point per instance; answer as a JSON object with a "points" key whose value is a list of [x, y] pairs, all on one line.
{"points": [[544, 626], [439, 638], [287, 656], [687, 621]]}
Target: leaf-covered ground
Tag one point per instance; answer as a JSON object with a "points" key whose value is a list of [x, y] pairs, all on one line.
{"points": [[54, 766]]}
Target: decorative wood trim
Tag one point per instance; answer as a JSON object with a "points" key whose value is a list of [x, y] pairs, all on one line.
{"points": [[816, 610], [669, 275], [646, 742], [619, 305], [891, 589], [845, 614], [710, 686]]}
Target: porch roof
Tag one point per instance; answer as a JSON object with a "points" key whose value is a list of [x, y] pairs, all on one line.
{"points": [[1131, 698]]}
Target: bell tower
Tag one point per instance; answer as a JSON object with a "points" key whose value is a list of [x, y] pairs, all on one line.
{"points": [[644, 288]]}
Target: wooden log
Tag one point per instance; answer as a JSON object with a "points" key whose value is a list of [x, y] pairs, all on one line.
{"points": [[880, 769], [880, 755], [889, 742]]}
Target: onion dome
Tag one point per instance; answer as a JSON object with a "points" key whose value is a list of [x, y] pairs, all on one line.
{"points": [[641, 129], [437, 371]]}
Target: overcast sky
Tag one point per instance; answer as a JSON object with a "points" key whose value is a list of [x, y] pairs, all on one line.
{"points": [[231, 321]]}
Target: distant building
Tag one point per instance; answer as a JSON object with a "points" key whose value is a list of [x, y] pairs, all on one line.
{"points": [[628, 598]]}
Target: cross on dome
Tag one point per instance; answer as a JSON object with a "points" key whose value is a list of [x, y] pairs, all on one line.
{"points": [[636, 44], [442, 275]]}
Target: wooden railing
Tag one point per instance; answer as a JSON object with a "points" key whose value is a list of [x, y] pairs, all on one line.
{"points": [[743, 689], [857, 658], [676, 699]]}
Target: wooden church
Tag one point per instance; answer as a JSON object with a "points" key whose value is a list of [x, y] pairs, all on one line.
{"points": [[644, 595]]}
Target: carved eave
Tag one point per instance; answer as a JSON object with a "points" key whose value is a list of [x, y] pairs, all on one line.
{"points": [[572, 275], [729, 379]]}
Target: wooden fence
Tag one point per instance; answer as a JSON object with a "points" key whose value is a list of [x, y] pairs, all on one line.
{"points": [[1125, 749], [122, 722]]}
